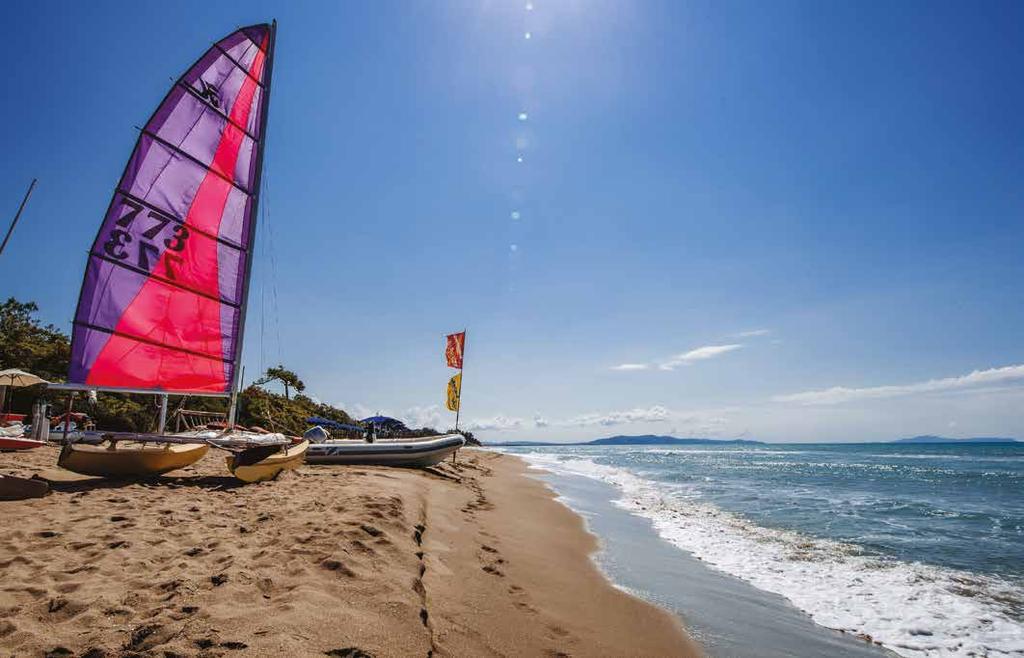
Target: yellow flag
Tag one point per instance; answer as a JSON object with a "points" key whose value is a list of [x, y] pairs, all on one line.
{"points": [[454, 391]]}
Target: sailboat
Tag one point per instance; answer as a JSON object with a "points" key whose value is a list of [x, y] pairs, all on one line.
{"points": [[163, 301]]}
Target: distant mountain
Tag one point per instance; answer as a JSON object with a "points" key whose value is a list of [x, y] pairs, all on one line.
{"points": [[943, 439], [642, 440], [524, 444], [655, 440]]}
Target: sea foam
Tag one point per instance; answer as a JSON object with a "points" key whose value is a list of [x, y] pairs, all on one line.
{"points": [[911, 608]]}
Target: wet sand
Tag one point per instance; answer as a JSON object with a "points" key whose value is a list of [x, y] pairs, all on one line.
{"points": [[471, 559]]}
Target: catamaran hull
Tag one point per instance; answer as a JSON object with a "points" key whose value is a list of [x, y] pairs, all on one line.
{"points": [[269, 467], [129, 459], [405, 454]]}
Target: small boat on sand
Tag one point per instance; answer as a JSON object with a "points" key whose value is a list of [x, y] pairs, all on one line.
{"points": [[13, 437], [10, 444], [257, 465], [408, 453], [255, 456], [16, 488], [120, 456]]}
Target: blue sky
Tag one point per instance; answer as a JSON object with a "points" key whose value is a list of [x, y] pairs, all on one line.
{"points": [[793, 220]]}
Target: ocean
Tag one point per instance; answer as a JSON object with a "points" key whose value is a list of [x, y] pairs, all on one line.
{"points": [[919, 546]]}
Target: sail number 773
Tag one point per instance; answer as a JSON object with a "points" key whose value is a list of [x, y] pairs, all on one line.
{"points": [[146, 253]]}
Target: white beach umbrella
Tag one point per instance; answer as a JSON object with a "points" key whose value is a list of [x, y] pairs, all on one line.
{"points": [[16, 378]]}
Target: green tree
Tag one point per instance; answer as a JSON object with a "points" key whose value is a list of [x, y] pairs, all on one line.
{"points": [[28, 344], [288, 378]]}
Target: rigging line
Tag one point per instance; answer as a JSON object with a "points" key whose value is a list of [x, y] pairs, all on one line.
{"points": [[272, 233], [263, 312]]}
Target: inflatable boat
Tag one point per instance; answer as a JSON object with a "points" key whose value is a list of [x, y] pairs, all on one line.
{"points": [[407, 453]]}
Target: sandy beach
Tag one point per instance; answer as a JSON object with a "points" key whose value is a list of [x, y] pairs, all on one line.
{"points": [[474, 558]]}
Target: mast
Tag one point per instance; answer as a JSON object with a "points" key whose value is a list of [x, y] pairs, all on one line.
{"points": [[17, 215], [235, 371]]}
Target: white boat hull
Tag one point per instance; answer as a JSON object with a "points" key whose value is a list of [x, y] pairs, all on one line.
{"points": [[406, 453]]}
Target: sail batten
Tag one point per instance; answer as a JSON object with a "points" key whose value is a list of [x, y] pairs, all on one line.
{"points": [[239, 66], [163, 297], [210, 108], [219, 238], [182, 152], [165, 281], [143, 339]]}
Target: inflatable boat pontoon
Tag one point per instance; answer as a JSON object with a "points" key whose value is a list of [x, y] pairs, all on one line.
{"points": [[408, 453]]}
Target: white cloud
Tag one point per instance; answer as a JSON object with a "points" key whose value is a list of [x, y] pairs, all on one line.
{"points": [[973, 380], [497, 424], [631, 366], [356, 410], [655, 414], [752, 333], [414, 417], [540, 421], [428, 416], [699, 354]]}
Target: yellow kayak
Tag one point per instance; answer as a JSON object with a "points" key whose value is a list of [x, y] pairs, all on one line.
{"points": [[269, 466], [129, 458]]}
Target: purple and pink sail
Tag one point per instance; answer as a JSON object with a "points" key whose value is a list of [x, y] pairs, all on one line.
{"points": [[162, 303]]}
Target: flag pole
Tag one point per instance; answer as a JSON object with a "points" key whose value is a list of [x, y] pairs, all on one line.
{"points": [[458, 410]]}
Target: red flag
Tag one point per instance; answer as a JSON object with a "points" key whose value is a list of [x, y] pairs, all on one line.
{"points": [[453, 350]]}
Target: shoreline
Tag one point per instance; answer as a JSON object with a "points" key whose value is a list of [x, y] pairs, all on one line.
{"points": [[478, 558], [724, 614]]}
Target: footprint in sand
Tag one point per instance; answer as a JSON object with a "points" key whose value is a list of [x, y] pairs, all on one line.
{"points": [[140, 636], [371, 530], [337, 566], [348, 652], [265, 586]]}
